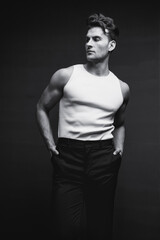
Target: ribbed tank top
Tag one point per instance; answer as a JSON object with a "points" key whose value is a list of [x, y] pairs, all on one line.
{"points": [[88, 105]]}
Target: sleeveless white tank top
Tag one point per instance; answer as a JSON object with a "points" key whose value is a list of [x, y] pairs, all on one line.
{"points": [[88, 105]]}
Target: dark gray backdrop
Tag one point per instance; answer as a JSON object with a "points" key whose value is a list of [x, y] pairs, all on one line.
{"points": [[36, 40]]}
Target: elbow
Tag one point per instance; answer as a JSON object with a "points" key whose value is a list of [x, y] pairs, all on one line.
{"points": [[37, 111], [40, 108], [119, 124]]}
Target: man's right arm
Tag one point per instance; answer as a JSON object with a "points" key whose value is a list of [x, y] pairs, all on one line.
{"points": [[49, 98]]}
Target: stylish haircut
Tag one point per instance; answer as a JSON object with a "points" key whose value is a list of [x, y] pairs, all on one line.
{"points": [[99, 20]]}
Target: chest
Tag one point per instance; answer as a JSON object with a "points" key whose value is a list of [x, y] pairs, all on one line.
{"points": [[99, 93]]}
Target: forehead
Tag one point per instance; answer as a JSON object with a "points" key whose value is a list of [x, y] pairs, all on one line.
{"points": [[95, 31]]}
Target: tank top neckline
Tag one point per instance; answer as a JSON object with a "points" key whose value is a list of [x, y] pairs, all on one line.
{"points": [[93, 75]]}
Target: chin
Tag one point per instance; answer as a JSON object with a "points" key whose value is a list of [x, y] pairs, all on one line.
{"points": [[91, 59]]}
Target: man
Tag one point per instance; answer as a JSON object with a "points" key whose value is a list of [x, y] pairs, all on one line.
{"points": [[91, 133]]}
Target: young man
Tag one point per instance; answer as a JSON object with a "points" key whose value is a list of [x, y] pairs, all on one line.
{"points": [[91, 133]]}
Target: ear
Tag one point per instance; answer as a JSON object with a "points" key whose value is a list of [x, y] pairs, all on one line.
{"points": [[112, 45]]}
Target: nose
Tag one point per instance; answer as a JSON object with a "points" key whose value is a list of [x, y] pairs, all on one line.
{"points": [[89, 43]]}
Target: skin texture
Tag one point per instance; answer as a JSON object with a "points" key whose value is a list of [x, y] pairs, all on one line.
{"points": [[98, 48]]}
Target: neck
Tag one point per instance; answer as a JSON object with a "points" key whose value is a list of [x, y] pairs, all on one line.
{"points": [[99, 69]]}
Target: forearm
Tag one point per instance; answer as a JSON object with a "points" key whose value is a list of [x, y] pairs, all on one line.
{"points": [[119, 137], [45, 127]]}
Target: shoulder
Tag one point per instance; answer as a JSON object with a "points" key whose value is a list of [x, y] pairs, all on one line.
{"points": [[61, 76], [64, 73], [125, 90]]}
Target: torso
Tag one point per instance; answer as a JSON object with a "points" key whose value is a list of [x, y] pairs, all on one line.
{"points": [[88, 104]]}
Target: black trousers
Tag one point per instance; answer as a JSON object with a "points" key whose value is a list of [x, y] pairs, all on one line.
{"points": [[85, 177]]}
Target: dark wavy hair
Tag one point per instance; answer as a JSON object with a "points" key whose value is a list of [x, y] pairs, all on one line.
{"points": [[99, 20]]}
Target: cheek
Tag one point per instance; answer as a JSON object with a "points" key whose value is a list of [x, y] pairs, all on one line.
{"points": [[103, 50]]}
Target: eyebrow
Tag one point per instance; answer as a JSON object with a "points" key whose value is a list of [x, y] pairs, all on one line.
{"points": [[94, 36]]}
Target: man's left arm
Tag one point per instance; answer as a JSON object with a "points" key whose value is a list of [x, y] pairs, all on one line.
{"points": [[119, 121]]}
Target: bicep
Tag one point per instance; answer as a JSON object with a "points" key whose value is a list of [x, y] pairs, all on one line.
{"points": [[51, 95], [54, 91], [119, 118], [50, 98]]}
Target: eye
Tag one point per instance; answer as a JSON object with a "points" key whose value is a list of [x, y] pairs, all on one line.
{"points": [[96, 39], [87, 39]]}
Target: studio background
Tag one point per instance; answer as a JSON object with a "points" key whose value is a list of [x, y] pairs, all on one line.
{"points": [[37, 40]]}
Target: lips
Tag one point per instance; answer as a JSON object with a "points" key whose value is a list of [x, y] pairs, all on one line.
{"points": [[89, 51]]}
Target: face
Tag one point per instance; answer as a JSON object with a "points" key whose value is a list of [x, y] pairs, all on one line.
{"points": [[98, 44]]}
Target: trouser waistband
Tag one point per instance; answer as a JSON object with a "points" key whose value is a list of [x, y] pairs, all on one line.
{"points": [[83, 143]]}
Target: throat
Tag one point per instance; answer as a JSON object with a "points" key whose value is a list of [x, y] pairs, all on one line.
{"points": [[97, 70]]}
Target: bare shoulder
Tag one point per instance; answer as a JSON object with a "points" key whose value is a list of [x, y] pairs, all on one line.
{"points": [[125, 90], [61, 76]]}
